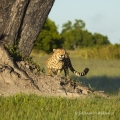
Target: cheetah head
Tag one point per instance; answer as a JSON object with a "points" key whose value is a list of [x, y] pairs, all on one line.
{"points": [[60, 53]]}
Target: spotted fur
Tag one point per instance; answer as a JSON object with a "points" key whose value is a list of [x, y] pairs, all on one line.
{"points": [[59, 61]]}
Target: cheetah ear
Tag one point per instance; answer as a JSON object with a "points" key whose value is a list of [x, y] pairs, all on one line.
{"points": [[54, 50]]}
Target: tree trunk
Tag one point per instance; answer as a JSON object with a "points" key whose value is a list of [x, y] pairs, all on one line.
{"points": [[21, 22]]}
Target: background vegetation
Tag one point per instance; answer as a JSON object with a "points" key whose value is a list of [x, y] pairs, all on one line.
{"points": [[73, 36]]}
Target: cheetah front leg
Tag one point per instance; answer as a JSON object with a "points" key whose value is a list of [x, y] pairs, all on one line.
{"points": [[49, 72], [58, 72]]}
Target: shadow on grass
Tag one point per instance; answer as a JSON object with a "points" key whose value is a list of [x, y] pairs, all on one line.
{"points": [[110, 85]]}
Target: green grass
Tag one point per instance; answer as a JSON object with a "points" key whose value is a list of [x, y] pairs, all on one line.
{"points": [[99, 52], [33, 107]]}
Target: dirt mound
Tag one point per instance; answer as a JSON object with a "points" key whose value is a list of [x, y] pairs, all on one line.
{"points": [[23, 77]]}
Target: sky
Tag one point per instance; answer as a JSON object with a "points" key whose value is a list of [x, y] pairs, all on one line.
{"points": [[100, 16]]}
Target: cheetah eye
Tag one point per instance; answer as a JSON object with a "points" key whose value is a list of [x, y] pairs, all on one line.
{"points": [[62, 55]]}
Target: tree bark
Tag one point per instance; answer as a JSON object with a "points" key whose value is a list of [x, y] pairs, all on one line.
{"points": [[21, 22]]}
